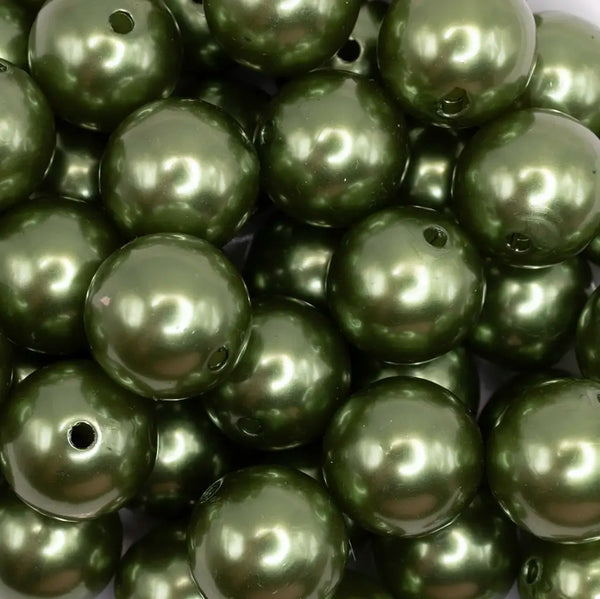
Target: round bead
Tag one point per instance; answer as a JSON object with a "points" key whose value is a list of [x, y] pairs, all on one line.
{"points": [[167, 316], [333, 148], [406, 285], [43, 557], [97, 62], [587, 346], [27, 151], [289, 537], [205, 172], [403, 457], [14, 32], [457, 64], [524, 198], [540, 460], [6, 366], [50, 249], [73, 444], [280, 38], [476, 556], [357, 586]]}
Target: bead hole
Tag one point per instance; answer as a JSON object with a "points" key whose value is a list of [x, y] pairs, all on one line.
{"points": [[211, 491], [82, 436], [435, 236], [121, 22], [350, 51], [454, 103], [197, 1], [532, 570], [517, 242], [218, 359]]}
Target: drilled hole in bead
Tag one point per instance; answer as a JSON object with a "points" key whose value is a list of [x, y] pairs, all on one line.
{"points": [[121, 22], [435, 236], [82, 436], [517, 242], [350, 51], [532, 570], [250, 426], [218, 359], [197, 1], [211, 491], [454, 103]]}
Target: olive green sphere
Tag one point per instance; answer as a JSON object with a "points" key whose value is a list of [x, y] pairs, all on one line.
{"points": [[14, 32], [587, 340]]}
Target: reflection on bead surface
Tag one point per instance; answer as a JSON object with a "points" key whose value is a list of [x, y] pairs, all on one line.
{"points": [[403, 457], [266, 531], [167, 316], [357, 586], [541, 460], [75, 445], [587, 340], [14, 30]]}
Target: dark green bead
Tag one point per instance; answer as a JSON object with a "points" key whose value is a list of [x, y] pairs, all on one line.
{"points": [[357, 586], [524, 198], [191, 455], [459, 63], [27, 362], [541, 460], [476, 557], [530, 315], [97, 62], [587, 339], [157, 566], [49, 250], [14, 31], [455, 371], [26, 152], [43, 557], [403, 457], [294, 373], [180, 166], [267, 531], [167, 316], [290, 258], [73, 444], [6, 366], [567, 72], [280, 38], [333, 148], [406, 285]]}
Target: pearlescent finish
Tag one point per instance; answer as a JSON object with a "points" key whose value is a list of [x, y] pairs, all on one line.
{"points": [[14, 32], [587, 344]]}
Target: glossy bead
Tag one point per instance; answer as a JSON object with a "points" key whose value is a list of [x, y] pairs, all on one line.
{"points": [[555, 571], [357, 586], [191, 455], [524, 198], [158, 563], [540, 460], [567, 72], [98, 62], [333, 148], [167, 316], [529, 315], [281, 38], [49, 250], [180, 166], [43, 557], [457, 64], [74, 169], [587, 345], [289, 537], [476, 557], [26, 153], [406, 285], [403, 457], [6, 366], [359, 53], [14, 31], [294, 373], [290, 258], [73, 444], [455, 370]]}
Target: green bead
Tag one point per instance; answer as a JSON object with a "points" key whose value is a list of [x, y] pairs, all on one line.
{"points": [[294, 373], [97, 62], [157, 566], [26, 362], [357, 586], [14, 32], [333, 148], [43, 557], [403, 457], [167, 316], [180, 166], [290, 258], [530, 315], [541, 460], [191, 455], [476, 557], [406, 285], [279, 37], [73, 444], [26, 152], [6, 366], [359, 53], [267, 531], [459, 63], [587, 345], [456, 371], [567, 72], [524, 198], [49, 250]]}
